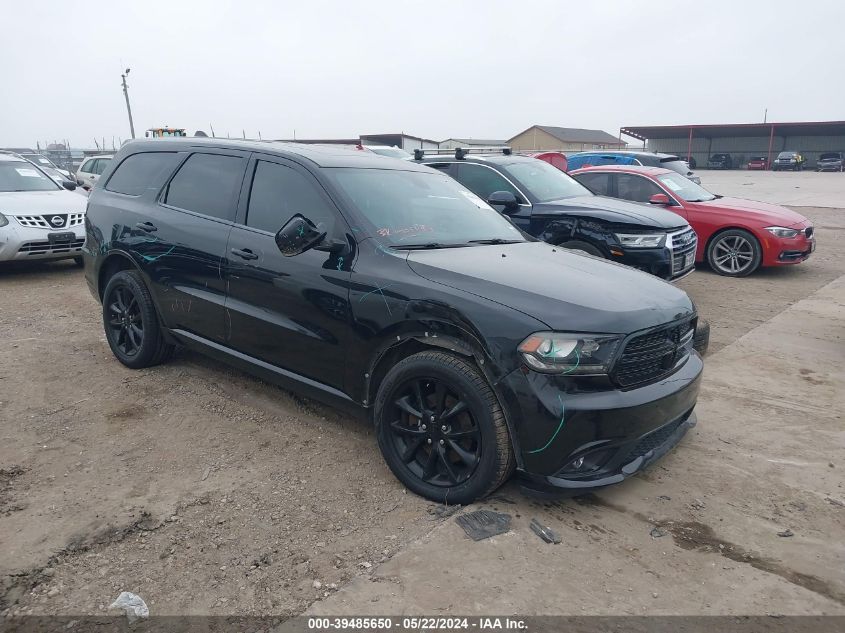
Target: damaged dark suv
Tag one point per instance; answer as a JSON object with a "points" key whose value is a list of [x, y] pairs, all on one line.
{"points": [[385, 288]]}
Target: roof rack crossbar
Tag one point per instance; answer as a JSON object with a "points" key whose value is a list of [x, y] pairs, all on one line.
{"points": [[461, 152]]}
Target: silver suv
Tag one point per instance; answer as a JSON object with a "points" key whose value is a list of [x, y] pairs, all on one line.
{"points": [[38, 218]]}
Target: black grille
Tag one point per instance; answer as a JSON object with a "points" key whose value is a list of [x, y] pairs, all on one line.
{"points": [[652, 355], [40, 248], [653, 440], [808, 231]]}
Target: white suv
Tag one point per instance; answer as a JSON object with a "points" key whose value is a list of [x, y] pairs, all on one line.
{"points": [[38, 218], [90, 170]]}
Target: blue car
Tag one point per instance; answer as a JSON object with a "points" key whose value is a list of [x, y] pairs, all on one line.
{"points": [[649, 159]]}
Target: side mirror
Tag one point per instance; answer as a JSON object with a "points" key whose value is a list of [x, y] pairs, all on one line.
{"points": [[659, 198], [297, 236], [70, 186], [504, 199]]}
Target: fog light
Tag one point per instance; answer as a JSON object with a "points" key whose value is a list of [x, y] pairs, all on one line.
{"points": [[578, 463]]}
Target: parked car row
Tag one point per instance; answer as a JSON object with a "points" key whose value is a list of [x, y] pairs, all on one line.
{"points": [[388, 288], [735, 237]]}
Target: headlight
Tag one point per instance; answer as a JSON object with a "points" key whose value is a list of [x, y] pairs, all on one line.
{"points": [[779, 231], [641, 240], [561, 353], [3, 220]]}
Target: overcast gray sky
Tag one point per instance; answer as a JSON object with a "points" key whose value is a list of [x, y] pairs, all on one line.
{"points": [[432, 68]]}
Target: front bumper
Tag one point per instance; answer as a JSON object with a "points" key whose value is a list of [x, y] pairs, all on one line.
{"points": [[616, 432], [783, 251], [20, 243], [837, 166]]}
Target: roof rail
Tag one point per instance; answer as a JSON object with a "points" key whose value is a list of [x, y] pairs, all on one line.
{"points": [[461, 152]]}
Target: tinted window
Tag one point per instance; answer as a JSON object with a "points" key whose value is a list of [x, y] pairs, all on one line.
{"points": [[279, 192], [635, 188], [483, 181], [140, 172], [599, 184], [207, 184], [88, 166], [830, 156]]}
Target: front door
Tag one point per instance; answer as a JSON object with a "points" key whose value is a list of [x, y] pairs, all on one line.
{"points": [[291, 312]]}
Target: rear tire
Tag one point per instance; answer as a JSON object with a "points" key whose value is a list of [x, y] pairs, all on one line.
{"points": [[131, 322], [584, 247], [441, 429]]}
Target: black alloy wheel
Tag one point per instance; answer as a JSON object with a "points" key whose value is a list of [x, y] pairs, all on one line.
{"points": [[434, 432], [441, 429], [131, 322], [126, 323]]}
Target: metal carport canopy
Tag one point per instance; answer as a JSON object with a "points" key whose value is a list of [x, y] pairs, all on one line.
{"points": [[814, 128]]}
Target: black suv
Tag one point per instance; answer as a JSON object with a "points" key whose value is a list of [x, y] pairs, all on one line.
{"points": [[385, 288], [551, 205], [789, 160], [720, 161]]}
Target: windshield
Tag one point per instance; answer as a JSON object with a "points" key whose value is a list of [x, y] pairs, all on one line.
{"points": [[833, 156], [38, 159], [758, 158], [408, 207], [786, 155], [545, 182], [393, 152], [685, 188], [18, 175]]}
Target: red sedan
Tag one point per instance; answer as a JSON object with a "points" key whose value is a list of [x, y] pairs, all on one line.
{"points": [[735, 236]]}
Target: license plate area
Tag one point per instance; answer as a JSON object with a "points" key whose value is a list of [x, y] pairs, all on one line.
{"points": [[689, 259], [65, 237]]}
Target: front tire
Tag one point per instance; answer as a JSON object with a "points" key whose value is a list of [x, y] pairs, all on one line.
{"points": [[131, 323], [734, 253], [584, 247], [441, 429]]}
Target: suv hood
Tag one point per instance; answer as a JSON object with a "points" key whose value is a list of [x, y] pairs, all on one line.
{"points": [[567, 291], [613, 210], [38, 202], [768, 214]]}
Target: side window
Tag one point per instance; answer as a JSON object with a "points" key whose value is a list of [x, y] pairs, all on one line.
{"points": [[483, 181], [100, 166], [635, 188], [140, 172], [207, 184], [599, 184], [279, 192], [87, 166], [444, 167]]}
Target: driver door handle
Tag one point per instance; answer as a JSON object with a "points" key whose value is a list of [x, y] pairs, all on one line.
{"points": [[244, 253]]}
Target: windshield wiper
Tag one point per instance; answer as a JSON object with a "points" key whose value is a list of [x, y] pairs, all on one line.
{"points": [[495, 240], [429, 245]]}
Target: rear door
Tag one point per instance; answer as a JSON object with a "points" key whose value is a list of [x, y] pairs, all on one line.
{"points": [[185, 237], [291, 312]]}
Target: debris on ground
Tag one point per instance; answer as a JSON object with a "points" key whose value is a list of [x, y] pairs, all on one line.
{"points": [[443, 512], [132, 605], [545, 533], [657, 532], [786, 533], [664, 498], [483, 524], [697, 504]]}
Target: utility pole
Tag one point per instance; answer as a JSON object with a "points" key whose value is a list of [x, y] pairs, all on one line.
{"points": [[765, 114], [128, 109]]}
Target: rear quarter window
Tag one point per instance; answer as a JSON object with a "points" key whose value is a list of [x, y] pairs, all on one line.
{"points": [[140, 172]]}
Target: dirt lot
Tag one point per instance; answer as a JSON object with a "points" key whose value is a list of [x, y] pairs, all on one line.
{"points": [[205, 490]]}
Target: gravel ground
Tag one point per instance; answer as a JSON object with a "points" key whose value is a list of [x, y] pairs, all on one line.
{"points": [[205, 490]]}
